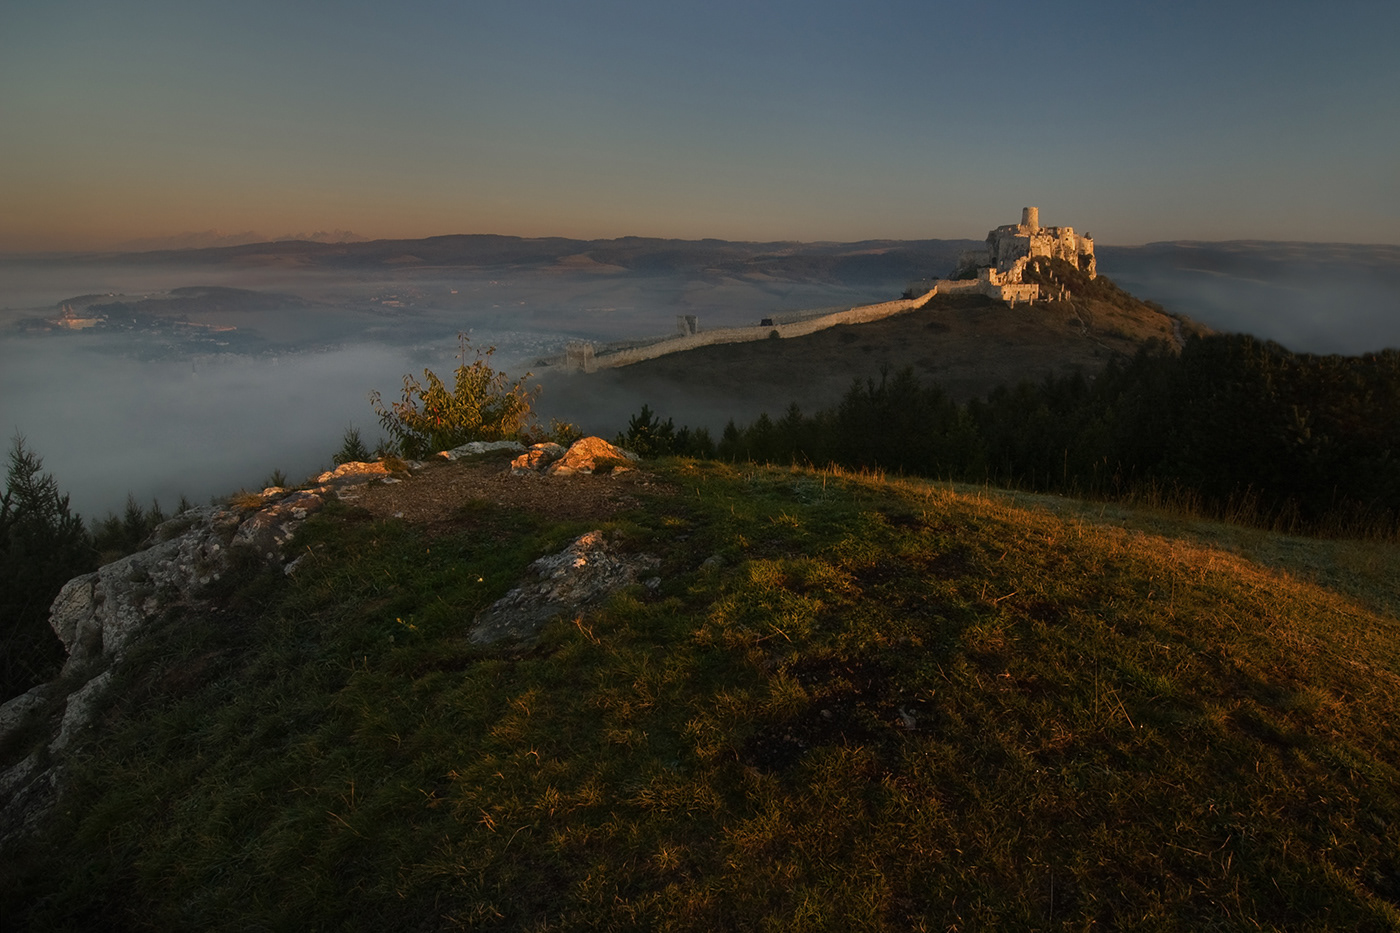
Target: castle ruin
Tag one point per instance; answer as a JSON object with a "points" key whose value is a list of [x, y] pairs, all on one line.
{"points": [[998, 271]]}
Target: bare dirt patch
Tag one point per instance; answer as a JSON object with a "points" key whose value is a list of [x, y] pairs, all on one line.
{"points": [[435, 494]]}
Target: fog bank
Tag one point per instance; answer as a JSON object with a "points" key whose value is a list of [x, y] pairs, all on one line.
{"points": [[108, 424], [1311, 298], [149, 409]]}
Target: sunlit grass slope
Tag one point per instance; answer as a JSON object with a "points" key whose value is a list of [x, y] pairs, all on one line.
{"points": [[890, 706]]}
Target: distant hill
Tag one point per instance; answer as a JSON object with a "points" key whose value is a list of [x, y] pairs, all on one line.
{"points": [[863, 261], [1311, 297], [1263, 259], [198, 299], [204, 239]]}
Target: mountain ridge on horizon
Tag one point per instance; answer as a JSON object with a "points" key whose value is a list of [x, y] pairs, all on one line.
{"points": [[213, 240]]}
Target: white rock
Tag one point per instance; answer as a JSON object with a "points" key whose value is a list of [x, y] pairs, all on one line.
{"points": [[82, 704], [581, 575], [479, 447], [17, 709]]}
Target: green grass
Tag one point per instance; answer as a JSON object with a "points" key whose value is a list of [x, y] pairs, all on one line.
{"points": [[892, 705]]}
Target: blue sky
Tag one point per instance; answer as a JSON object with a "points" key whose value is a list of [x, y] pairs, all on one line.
{"points": [[811, 121]]}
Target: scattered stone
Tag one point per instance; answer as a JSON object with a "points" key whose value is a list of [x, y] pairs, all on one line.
{"points": [[712, 562], [536, 459], [268, 530], [354, 472], [479, 447], [585, 456], [592, 455], [581, 575]]}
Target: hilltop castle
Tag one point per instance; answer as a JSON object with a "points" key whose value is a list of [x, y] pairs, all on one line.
{"points": [[998, 271]]}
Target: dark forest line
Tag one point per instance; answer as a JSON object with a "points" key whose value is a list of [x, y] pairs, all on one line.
{"points": [[1232, 426]]}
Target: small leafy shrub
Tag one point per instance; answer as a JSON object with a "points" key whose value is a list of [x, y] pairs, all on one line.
{"points": [[482, 405], [563, 433]]}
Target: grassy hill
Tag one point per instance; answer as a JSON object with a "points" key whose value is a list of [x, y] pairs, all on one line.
{"points": [[966, 344], [884, 705]]}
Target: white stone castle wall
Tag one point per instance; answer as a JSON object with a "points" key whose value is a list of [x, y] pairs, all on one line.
{"points": [[862, 315]]}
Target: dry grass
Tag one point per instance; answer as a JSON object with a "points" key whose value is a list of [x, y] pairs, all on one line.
{"points": [[888, 705]]}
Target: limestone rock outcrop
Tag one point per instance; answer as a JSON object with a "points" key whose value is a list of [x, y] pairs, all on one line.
{"points": [[592, 455], [356, 472], [587, 455], [579, 576], [479, 447], [536, 459], [99, 615], [95, 615]]}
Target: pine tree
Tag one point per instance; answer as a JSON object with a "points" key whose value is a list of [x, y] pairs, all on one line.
{"points": [[43, 544]]}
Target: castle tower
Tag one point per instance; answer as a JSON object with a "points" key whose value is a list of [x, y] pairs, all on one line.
{"points": [[1030, 218]]}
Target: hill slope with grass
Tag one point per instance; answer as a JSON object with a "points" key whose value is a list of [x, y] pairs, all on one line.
{"points": [[850, 703], [968, 345]]}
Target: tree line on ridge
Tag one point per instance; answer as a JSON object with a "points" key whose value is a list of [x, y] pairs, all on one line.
{"points": [[1231, 425]]}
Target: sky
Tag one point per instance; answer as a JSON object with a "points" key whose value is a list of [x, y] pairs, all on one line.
{"points": [[1135, 121]]}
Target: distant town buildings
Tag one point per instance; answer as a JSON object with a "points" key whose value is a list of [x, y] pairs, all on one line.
{"points": [[71, 320]]}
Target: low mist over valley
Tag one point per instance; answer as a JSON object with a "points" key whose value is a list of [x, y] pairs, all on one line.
{"points": [[194, 372]]}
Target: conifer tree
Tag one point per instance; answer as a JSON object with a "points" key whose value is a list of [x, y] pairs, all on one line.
{"points": [[43, 544]]}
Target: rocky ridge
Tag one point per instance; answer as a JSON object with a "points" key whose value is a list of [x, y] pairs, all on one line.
{"points": [[100, 615]]}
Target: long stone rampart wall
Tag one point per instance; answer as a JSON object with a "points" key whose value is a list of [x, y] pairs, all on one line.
{"points": [[589, 358], [958, 287], [706, 338]]}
